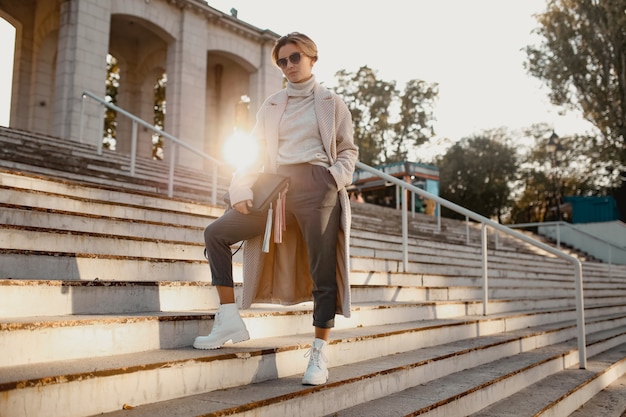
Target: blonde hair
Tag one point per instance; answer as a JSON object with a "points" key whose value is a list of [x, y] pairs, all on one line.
{"points": [[306, 45]]}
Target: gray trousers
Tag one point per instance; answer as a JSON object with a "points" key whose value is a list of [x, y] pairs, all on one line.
{"points": [[312, 203]]}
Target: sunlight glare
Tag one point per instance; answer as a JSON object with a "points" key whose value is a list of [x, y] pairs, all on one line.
{"points": [[7, 47], [241, 150]]}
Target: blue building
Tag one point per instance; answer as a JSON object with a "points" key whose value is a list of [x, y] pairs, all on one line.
{"points": [[593, 209], [376, 190]]}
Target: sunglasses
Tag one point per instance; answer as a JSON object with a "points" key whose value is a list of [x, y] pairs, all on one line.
{"points": [[293, 58]]}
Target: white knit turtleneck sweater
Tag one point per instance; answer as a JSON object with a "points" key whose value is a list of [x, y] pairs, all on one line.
{"points": [[299, 136]]}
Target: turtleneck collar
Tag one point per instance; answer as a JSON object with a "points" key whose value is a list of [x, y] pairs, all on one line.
{"points": [[303, 89]]}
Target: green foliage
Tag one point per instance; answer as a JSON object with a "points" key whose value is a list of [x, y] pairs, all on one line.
{"points": [[477, 173], [159, 116], [110, 116], [537, 196], [112, 85], [387, 123], [545, 177], [582, 59], [415, 126]]}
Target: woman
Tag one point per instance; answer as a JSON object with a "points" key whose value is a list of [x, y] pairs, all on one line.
{"points": [[306, 132]]}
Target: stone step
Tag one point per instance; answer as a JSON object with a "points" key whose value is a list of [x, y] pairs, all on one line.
{"points": [[388, 239], [103, 207], [74, 191], [64, 297], [470, 391], [74, 265], [98, 244], [68, 266], [259, 378], [187, 263], [115, 287], [81, 162], [99, 335], [199, 221], [55, 219], [471, 279], [34, 143], [609, 402], [177, 328], [28, 190], [567, 391], [51, 298]]}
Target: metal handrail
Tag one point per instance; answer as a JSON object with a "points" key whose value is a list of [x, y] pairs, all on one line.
{"points": [[174, 141], [580, 318], [578, 273]]}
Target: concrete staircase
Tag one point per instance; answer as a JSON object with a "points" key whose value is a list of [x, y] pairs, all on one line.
{"points": [[103, 287], [23, 151]]}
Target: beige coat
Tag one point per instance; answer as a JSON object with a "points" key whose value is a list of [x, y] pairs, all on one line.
{"points": [[282, 276]]}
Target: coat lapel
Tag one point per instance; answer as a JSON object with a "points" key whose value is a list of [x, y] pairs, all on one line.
{"points": [[325, 111]]}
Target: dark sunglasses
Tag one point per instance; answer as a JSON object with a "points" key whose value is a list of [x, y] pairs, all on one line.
{"points": [[293, 58]]}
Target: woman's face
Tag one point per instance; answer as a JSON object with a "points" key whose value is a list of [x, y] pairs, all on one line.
{"points": [[295, 72]]}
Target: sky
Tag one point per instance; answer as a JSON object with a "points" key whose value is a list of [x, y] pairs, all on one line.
{"points": [[471, 49]]}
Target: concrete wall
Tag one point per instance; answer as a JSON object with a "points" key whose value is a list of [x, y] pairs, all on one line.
{"points": [[605, 240]]}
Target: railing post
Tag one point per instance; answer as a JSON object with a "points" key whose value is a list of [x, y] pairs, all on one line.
{"points": [[558, 235], [438, 209], [483, 244], [610, 245], [405, 233], [214, 185], [82, 117], [170, 179], [399, 191], [133, 149], [101, 136], [580, 316], [467, 231], [497, 239]]}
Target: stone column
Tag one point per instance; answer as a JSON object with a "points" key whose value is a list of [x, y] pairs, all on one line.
{"points": [[186, 88], [81, 65], [22, 74]]}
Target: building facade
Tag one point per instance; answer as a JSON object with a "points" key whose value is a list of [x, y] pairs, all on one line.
{"points": [[211, 60], [375, 190]]}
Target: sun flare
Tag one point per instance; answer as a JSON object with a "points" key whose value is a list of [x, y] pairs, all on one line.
{"points": [[241, 150]]}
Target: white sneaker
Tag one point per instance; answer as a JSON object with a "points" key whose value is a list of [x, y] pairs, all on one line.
{"points": [[317, 370], [228, 325]]}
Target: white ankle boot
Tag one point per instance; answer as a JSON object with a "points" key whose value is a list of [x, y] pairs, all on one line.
{"points": [[317, 370], [228, 325]]}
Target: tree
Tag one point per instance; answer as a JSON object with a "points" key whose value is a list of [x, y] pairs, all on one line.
{"points": [[582, 59], [368, 99], [387, 123], [545, 178], [415, 126], [477, 173]]}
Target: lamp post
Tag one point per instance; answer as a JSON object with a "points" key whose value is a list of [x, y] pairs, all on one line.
{"points": [[554, 146]]}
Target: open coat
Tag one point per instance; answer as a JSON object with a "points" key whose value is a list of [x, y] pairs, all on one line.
{"points": [[282, 276]]}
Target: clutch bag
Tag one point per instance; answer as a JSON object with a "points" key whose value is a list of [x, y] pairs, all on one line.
{"points": [[265, 190]]}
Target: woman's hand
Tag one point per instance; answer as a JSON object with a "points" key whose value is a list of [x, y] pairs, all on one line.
{"points": [[242, 206]]}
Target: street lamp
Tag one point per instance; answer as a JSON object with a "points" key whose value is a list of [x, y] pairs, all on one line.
{"points": [[554, 146]]}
